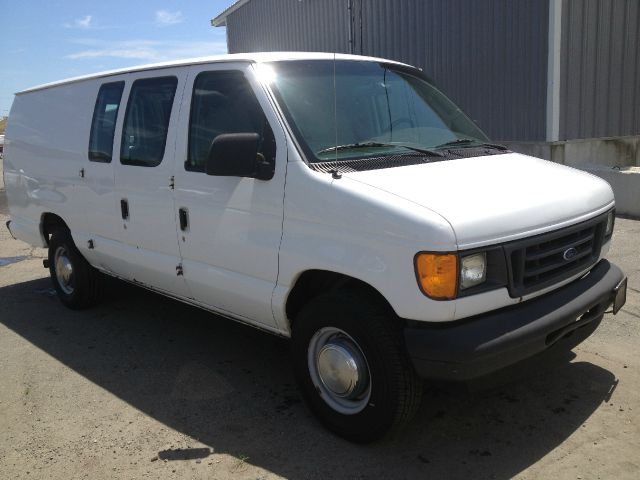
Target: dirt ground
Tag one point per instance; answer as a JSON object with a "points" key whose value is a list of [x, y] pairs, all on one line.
{"points": [[146, 387]]}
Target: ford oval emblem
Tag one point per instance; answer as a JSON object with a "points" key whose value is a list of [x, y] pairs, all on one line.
{"points": [[569, 253]]}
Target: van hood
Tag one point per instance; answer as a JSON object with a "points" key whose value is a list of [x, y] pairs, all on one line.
{"points": [[498, 198]]}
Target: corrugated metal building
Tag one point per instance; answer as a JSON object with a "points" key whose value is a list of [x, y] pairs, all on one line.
{"points": [[541, 73]]}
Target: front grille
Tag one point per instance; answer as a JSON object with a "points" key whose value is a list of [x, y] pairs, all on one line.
{"points": [[541, 261]]}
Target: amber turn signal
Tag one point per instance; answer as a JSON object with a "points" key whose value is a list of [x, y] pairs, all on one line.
{"points": [[437, 275]]}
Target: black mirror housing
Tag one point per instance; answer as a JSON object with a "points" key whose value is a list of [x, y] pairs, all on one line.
{"points": [[236, 155]]}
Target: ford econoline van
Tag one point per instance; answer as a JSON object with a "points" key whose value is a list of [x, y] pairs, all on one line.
{"points": [[341, 201]]}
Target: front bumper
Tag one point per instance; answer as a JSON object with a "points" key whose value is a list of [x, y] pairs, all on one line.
{"points": [[483, 344]]}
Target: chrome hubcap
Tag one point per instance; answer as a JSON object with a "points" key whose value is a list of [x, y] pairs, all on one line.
{"points": [[339, 370], [64, 270]]}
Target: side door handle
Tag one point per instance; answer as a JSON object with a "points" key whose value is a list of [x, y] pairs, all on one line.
{"points": [[124, 208], [183, 215]]}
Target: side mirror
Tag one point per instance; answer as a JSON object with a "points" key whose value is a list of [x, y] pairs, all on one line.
{"points": [[236, 155]]}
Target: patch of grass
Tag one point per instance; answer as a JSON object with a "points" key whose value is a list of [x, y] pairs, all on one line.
{"points": [[240, 464]]}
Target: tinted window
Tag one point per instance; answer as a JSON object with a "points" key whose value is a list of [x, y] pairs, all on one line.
{"points": [[146, 122], [103, 125], [223, 102]]}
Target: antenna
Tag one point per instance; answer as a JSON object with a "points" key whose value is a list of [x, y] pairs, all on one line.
{"points": [[386, 92], [335, 174]]}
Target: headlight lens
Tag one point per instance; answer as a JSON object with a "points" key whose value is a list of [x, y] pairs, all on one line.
{"points": [[609, 229], [438, 274], [473, 270]]}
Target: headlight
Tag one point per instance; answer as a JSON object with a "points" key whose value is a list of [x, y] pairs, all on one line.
{"points": [[473, 270], [609, 228], [441, 274]]}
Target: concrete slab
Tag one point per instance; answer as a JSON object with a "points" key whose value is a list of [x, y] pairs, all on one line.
{"points": [[625, 182]]}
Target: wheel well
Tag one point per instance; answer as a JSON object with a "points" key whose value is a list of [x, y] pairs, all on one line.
{"points": [[48, 223], [312, 283]]}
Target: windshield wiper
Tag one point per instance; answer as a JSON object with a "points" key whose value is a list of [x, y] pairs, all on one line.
{"points": [[459, 142], [354, 146]]}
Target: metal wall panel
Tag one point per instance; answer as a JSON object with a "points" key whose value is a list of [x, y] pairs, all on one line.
{"points": [[489, 56], [600, 75], [289, 25]]}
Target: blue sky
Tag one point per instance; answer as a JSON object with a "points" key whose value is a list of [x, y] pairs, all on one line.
{"points": [[44, 41]]}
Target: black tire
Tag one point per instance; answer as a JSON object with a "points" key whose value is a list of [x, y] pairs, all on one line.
{"points": [[395, 390], [83, 287]]}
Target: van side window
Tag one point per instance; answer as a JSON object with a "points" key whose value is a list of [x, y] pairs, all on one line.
{"points": [[146, 122], [223, 102], [103, 125]]}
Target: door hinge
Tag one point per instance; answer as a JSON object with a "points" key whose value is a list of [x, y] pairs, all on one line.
{"points": [[179, 271], [172, 182], [82, 173]]}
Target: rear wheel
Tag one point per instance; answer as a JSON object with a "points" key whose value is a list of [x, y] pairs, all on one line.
{"points": [[351, 365], [76, 282]]}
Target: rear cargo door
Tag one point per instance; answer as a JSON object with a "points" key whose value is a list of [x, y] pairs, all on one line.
{"points": [[144, 179]]}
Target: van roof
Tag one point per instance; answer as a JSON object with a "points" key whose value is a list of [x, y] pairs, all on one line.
{"points": [[236, 57]]}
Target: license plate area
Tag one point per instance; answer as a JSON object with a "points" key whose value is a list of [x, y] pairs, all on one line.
{"points": [[620, 296]]}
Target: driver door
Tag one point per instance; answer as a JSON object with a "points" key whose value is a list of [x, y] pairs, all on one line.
{"points": [[230, 227]]}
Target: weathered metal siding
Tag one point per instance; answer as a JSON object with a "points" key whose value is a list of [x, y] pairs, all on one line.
{"points": [[600, 75], [289, 25], [489, 56]]}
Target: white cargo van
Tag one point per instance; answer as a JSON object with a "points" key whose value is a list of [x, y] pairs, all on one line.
{"points": [[341, 201]]}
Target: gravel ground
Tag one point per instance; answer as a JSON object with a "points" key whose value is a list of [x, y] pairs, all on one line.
{"points": [[146, 387]]}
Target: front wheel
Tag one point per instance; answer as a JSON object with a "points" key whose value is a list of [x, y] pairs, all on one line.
{"points": [[351, 365]]}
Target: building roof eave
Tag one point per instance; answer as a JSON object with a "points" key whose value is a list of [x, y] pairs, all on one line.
{"points": [[221, 19]]}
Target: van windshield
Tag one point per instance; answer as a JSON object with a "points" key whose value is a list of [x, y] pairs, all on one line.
{"points": [[349, 109]]}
